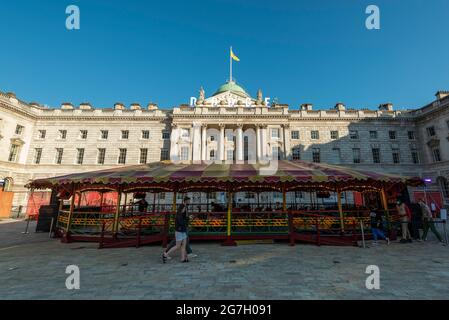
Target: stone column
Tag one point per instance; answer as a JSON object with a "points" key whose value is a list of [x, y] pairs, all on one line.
{"points": [[196, 142], [286, 137], [204, 142], [258, 144], [263, 142], [221, 146], [239, 143], [174, 136]]}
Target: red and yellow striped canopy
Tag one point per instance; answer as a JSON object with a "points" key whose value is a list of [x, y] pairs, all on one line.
{"points": [[290, 175]]}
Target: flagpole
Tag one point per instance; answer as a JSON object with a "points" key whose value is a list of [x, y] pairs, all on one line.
{"points": [[230, 65]]}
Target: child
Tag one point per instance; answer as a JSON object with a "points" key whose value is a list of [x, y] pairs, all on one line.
{"points": [[376, 226]]}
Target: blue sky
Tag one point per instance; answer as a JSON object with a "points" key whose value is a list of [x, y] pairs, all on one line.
{"points": [[315, 51]]}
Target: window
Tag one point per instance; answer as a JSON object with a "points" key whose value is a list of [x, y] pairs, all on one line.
{"points": [[83, 134], [143, 155], [184, 153], [165, 135], [165, 155], [415, 157], [19, 129], [101, 155], [59, 154], [185, 133], [411, 135], [376, 155], [353, 134], [334, 135], [145, 134], [80, 156], [436, 155], [316, 157], [275, 133], [13, 153], [104, 134], [250, 195], [299, 194], [392, 135], [430, 131], [373, 134], [41, 134], [125, 134], [396, 158], [356, 155], [212, 138], [37, 155], [295, 134], [230, 154], [276, 153], [296, 153], [122, 156], [62, 134], [212, 155], [315, 135]]}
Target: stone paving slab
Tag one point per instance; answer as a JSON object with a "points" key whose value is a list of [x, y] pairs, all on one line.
{"points": [[33, 267]]}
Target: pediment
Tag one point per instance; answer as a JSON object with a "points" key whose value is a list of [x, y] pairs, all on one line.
{"points": [[432, 143], [17, 141]]}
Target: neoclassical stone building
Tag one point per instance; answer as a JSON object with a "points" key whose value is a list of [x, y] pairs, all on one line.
{"points": [[37, 141]]}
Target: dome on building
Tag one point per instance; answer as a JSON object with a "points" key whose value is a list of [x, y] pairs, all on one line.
{"points": [[232, 87]]}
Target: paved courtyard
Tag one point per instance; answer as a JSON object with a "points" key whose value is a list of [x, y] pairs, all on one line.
{"points": [[32, 266]]}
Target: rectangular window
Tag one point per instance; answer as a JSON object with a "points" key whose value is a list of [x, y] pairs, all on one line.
{"points": [[19, 129], [185, 153], [37, 155], [125, 134], [104, 134], [145, 134], [165, 155], [143, 155], [80, 156], [185, 133], [392, 135], [356, 155], [83, 134], [353, 134], [165, 135], [376, 155], [212, 138], [430, 131], [62, 135], [275, 133], [316, 157], [373, 134], [41, 134], [415, 157], [315, 135], [296, 153], [101, 155], [396, 158], [334, 135], [122, 156], [13, 153], [295, 135], [436, 155], [411, 135], [59, 154]]}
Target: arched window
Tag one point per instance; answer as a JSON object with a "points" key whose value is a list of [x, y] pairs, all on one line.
{"points": [[6, 184], [444, 185]]}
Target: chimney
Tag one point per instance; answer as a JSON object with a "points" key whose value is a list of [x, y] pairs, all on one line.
{"points": [[442, 94], [386, 107], [152, 106], [306, 107], [340, 106], [119, 106], [66, 106]]}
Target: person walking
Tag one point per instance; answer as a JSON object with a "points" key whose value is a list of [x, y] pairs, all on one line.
{"points": [[181, 224], [427, 217], [405, 217], [377, 226]]}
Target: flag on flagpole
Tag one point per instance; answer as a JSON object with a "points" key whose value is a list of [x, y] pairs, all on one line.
{"points": [[234, 57]]}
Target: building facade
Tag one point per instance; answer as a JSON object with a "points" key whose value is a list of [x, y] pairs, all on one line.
{"points": [[231, 125]]}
